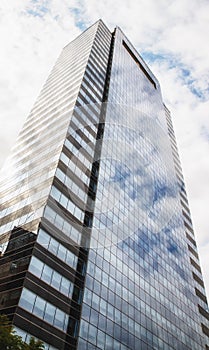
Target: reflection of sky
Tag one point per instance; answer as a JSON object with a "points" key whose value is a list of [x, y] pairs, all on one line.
{"points": [[152, 247], [139, 201], [133, 177], [137, 188], [130, 186], [122, 173], [137, 194]]}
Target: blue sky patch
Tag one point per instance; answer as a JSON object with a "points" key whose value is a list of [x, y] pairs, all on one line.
{"points": [[38, 8], [79, 22], [185, 73]]}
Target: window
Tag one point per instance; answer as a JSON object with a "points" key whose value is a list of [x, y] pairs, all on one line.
{"points": [[43, 309], [27, 300], [55, 248], [53, 278]]}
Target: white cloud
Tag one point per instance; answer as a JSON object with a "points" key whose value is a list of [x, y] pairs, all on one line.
{"points": [[178, 30]]}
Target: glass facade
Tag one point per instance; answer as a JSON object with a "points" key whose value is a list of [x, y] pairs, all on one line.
{"points": [[139, 291], [96, 205]]}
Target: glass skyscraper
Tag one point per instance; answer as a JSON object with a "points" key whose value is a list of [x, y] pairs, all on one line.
{"points": [[97, 245]]}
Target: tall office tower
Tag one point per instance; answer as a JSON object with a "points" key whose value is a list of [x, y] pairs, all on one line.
{"points": [[98, 250]]}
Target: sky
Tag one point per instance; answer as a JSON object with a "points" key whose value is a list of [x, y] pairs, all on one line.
{"points": [[172, 37]]}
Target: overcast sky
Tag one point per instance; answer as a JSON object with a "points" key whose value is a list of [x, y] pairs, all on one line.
{"points": [[171, 35]]}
